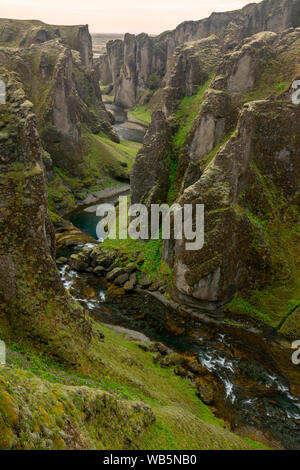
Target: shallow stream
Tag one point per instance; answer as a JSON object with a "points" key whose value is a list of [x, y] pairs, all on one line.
{"points": [[255, 381]]}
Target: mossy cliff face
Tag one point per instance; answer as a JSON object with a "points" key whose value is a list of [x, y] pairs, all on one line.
{"points": [[60, 417], [58, 77], [34, 306], [65, 384], [144, 63], [23, 34], [152, 164], [243, 188], [124, 401]]}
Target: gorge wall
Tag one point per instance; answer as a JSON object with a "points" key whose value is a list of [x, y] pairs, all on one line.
{"points": [[235, 149], [55, 66], [141, 64], [35, 307]]}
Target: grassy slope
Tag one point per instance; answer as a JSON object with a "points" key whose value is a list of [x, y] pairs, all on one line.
{"points": [[142, 114], [101, 168], [44, 394], [186, 114]]}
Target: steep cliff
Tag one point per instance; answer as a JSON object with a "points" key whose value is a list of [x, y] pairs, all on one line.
{"points": [[147, 60], [66, 385], [242, 162], [59, 79], [22, 34], [34, 305]]}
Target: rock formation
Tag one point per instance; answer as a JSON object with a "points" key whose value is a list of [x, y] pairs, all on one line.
{"points": [[152, 164], [58, 76], [147, 60], [22, 34], [239, 159], [34, 305]]}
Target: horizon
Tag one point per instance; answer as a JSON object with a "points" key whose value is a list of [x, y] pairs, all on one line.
{"points": [[117, 18]]}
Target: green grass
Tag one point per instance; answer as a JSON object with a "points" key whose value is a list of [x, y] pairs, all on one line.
{"points": [[172, 193], [280, 226], [129, 374], [100, 168], [105, 89], [150, 251], [186, 114], [142, 113], [108, 98], [126, 148]]}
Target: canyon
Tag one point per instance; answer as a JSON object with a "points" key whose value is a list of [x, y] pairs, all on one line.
{"points": [[140, 345]]}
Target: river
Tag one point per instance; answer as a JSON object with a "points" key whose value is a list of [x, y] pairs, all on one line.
{"points": [[126, 129], [253, 371]]}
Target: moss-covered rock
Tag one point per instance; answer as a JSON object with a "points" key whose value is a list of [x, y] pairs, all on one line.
{"points": [[35, 306]]}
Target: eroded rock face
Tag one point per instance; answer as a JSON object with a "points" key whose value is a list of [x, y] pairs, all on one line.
{"points": [[238, 160], [23, 34], [241, 69], [216, 119], [33, 301], [191, 66], [105, 74], [235, 190], [65, 94], [145, 56], [151, 171], [136, 65]]}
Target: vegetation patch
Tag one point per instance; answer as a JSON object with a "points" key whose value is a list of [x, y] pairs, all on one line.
{"points": [[124, 401], [142, 114], [187, 112]]}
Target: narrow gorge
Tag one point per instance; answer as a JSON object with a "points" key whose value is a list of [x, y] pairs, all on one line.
{"points": [[134, 344]]}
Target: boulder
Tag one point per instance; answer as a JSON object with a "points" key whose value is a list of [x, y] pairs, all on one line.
{"points": [[130, 285], [145, 282], [99, 271], [116, 272], [79, 262], [121, 280]]}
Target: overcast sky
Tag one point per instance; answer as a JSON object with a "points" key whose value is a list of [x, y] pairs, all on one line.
{"points": [[117, 16]]}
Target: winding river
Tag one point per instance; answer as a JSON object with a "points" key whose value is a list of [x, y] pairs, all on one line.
{"points": [[256, 383], [126, 129]]}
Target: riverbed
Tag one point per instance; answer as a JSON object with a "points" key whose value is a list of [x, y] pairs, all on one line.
{"points": [[126, 129], [256, 385], [254, 392]]}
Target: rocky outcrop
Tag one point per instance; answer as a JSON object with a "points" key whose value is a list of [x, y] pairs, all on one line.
{"points": [[68, 103], [146, 57], [241, 70], [235, 191], [23, 34], [136, 64], [151, 171], [216, 119], [241, 161], [191, 66], [34, 304]]}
